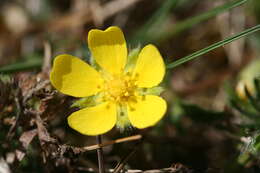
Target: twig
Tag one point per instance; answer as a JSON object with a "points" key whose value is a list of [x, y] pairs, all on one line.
{"points": [[46, 66], [100, 156], [94, 147]]}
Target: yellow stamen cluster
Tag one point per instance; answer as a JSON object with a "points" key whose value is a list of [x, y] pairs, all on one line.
{"points": [[120, 89]]}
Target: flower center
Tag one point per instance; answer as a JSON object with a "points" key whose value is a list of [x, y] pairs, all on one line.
{"points": [[120, 89]]}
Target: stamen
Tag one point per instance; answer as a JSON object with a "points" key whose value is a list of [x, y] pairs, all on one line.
{"points": [[132, 109], [126, 94], [120, 89]]}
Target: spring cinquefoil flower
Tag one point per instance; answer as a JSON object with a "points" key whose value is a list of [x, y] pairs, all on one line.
{"points": [[246, 79], [119, 88]]}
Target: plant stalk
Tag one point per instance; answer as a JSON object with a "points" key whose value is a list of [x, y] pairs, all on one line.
{"points": [[100, 155]]}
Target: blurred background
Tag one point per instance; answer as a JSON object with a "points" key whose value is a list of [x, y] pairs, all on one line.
{"points": [[213, 118]]}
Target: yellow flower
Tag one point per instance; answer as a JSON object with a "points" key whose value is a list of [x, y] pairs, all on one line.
{"points": [[246, 79], [120, 89]]}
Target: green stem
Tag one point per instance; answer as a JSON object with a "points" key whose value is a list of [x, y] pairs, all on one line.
{"points": [[213, 46], [100, 155]]}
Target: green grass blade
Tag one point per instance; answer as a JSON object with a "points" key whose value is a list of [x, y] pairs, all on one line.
{"points": [[19, 66], [188, 23], [157, 18], [213, 46]]}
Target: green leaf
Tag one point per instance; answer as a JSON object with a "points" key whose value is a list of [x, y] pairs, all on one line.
{"points": [[213, 46], [132, 58], [256, 143], [19, 66], [87, 101], [199, 114], [151, 91], [252, 100], [243, 109]]}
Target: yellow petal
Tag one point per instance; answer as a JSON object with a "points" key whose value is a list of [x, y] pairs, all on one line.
{"points": [[147, 111], [108, 48], [94, 120], [72, 76], [150, 68]]}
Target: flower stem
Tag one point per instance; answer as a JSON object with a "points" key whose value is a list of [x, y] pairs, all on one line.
{"points": [[100, 155]]}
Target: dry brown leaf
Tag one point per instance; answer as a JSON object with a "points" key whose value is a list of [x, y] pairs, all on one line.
{"points": [[19, 154], [27, 137]]}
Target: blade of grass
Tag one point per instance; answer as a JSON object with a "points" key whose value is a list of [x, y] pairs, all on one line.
{"points": [[157, 18], [188, 23], [19, 66], [213, 46]]}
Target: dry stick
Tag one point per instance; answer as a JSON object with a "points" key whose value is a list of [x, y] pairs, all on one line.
{"points": [[94, 147], [46, 66], [100, 155]]}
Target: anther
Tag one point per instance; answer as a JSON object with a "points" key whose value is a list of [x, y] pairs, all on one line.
{"points": [[132, 109], [126, 94]]}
